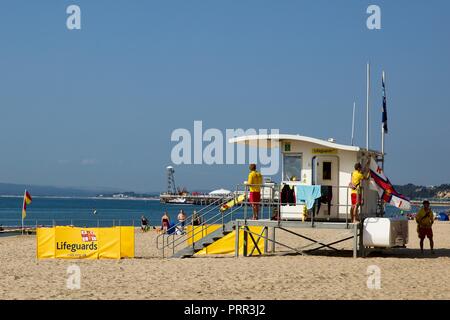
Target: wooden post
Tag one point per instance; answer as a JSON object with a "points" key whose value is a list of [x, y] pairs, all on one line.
{"points": [[273, 240], [245, 241], [266, 241], [361, 239], [236, 241]]}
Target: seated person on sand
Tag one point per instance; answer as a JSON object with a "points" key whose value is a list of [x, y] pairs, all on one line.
{"points": [[144, 224], [165, 223]]}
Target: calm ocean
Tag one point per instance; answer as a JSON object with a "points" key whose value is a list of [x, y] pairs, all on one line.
{"points": [[65, 211], [80, 211]]}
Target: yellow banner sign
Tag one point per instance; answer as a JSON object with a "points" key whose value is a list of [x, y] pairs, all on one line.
{"points": [[324, 151], [85, 243]]}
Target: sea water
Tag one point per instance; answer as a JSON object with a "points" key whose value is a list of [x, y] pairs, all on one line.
{"points": [[80, 211]]}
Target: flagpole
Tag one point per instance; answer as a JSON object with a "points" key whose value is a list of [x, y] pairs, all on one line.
{"points": [[367, 127], [382, 124], [353, 124], [23, 206], [367, 107], [383, 204]]}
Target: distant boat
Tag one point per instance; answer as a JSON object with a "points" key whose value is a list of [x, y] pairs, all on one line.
{"points": [[178, 201]]}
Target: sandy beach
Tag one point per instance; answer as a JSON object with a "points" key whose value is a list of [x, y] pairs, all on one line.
{"points": [[405, 273]]}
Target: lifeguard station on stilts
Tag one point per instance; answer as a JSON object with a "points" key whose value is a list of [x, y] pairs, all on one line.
{"points": [[320, 165], [314, 193]]}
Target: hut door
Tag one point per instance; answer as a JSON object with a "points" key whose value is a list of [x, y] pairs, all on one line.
{"points": [[326, 174]]}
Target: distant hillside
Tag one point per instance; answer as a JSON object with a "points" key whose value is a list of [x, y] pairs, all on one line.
{"points": [[10, 189], [414, 192]]}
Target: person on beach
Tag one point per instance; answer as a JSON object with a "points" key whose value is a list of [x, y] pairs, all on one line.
{"points": [[165, 222], [181, 218], [144, 224], [196, 221], [355, 185], [425, 220], [254, 182]]}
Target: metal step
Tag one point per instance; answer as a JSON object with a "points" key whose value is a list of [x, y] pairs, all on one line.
{"points": [[224, 233], [189, 251]]}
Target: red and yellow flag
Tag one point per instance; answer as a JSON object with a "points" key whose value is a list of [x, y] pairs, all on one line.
{"points": [[26, 201]]}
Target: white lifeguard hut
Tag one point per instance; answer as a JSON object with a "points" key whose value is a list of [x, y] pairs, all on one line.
{"points": [[319, 162], [313, 162]]}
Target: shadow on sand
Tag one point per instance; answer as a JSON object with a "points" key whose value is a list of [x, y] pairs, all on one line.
{"points": [[409, 253], [402, 253]]}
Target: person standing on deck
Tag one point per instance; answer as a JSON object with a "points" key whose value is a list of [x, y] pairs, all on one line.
{"points": [[357, 177], [254, 182], [425, 220]]}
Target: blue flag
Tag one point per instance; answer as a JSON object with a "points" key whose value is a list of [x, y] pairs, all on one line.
{"points": [[384, 115]]}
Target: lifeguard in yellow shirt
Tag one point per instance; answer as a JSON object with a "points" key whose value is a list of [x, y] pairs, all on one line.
{"points": [[254, 182], [425, 220], [357, 177]]}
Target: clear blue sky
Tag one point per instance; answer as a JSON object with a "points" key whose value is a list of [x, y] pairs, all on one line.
{"points": [[96, 107]]}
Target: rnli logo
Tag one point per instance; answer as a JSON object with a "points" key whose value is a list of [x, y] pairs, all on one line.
{"points": [[88, 236]]}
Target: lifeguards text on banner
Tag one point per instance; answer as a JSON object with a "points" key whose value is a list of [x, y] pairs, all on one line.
{"points": [[85, 243]]}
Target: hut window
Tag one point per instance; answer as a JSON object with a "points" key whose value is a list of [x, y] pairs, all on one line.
{"points": [[326, 170], [292, 167]]}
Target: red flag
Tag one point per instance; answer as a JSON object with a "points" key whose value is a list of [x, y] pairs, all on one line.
{"points": [[26, 201]]}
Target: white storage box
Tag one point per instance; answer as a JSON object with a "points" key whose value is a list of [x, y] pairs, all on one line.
{"points": [[292, 212], [385, 232]]}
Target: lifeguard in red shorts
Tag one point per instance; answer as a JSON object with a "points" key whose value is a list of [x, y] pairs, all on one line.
{"points": [[357, 177], [254, 182], [425, 220]]}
